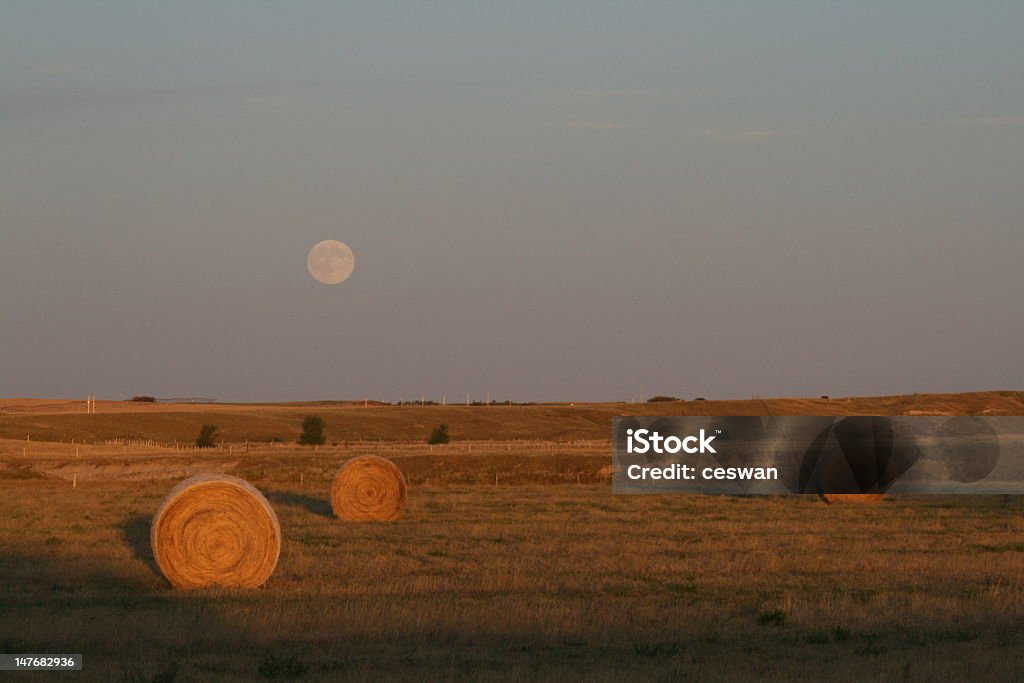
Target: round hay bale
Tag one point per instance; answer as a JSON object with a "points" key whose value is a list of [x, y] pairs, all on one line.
{"points": [[368, 488], [215, 530], [852, 497]]}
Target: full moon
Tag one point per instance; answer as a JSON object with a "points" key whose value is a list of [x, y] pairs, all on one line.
{"points": [[331, 262]]}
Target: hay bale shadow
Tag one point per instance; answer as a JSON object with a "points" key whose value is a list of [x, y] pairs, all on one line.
{"points": [[135, 531], [317, 506]]}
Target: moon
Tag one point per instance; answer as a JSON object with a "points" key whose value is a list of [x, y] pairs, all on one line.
{"points": [[331, 262]]}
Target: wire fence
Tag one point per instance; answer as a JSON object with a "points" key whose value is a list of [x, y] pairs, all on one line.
{"points": [[61, 407], [378, 445]]}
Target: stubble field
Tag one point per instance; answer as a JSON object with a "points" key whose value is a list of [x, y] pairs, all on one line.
{"points": [[513, 562]]}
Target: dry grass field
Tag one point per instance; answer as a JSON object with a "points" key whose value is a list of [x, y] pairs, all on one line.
{"points": [[513, 561], [56, 420]]}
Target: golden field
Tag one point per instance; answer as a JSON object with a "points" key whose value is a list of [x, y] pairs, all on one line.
{"points": [[513, 561]]}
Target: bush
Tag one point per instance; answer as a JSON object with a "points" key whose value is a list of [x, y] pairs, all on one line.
{"points": [[661, 399], [772, 617], [439, 435], [207, 433], [313, 431], [144, 399]]}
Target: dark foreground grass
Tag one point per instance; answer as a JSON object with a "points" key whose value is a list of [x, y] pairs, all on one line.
{"points": [[529, 582]]}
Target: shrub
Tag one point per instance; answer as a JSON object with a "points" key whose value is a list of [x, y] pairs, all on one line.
{"points": [[312, 431], [207, 433], [661, 399], [439, 435], [144, 399], [772, 617]]}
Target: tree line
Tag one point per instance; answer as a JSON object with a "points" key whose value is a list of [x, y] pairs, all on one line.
{"points": [[313, 433]]}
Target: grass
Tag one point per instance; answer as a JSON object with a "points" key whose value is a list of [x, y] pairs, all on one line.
{"points": [[508, 583], [51, 420], [513, 562]]}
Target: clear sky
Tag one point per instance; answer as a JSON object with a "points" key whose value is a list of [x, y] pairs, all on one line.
{"points": [[565, 201]]}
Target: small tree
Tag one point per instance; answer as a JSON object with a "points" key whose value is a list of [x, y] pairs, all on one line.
{"points": [[312, 431], [439, 435], [207, 433]]}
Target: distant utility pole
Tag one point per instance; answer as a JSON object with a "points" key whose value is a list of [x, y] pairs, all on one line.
{"points": [[444, 399], [488, 398], [510, 398], [467, 398]]}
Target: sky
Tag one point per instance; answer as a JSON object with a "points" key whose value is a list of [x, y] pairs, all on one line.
{"points": [[578, 201]]}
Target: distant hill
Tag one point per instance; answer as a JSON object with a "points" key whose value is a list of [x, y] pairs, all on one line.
{"points": [[55, 420]]}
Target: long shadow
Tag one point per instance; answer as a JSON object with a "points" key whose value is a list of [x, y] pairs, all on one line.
{"points": [[135, 531], [317, 506]]}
